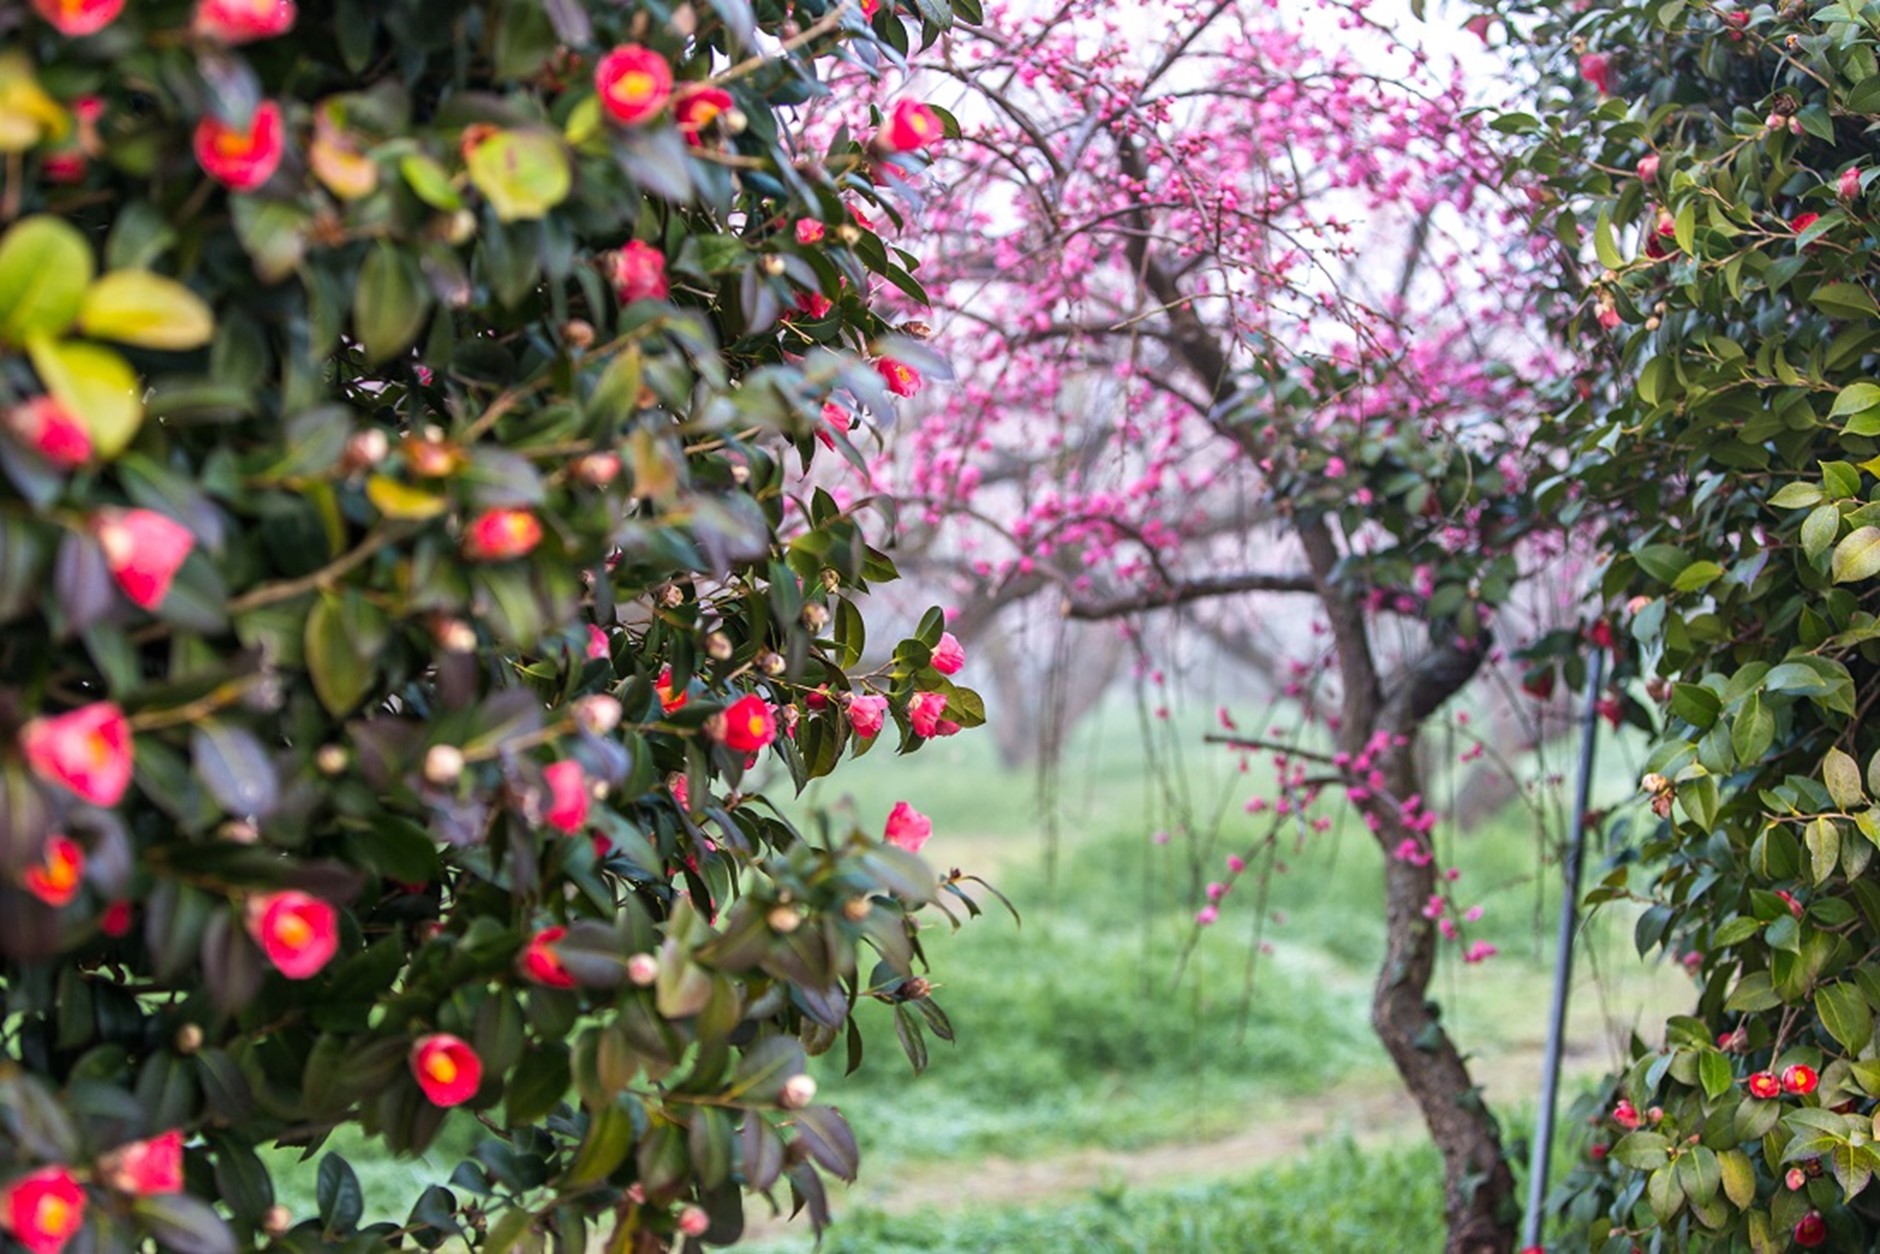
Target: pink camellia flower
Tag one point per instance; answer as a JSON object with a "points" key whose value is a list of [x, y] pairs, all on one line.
{"points": [[56, 877], [808, 231], [542, 964], [242, 160], [681, 791], [242, 21], [1764, 1085], [298, 933], [1848, 186], [1648, 168], [1597, 70], [910, 125], [597, 644], [901, 378], [43, 1210], [1799, 1080], [498, 535], [750, 724], [145, 1168], [948, 655], [446, 1068], [867, 715], [634, 83], [78, 17], [907, 827], [1626, 1115], [697, 106], [86, 751], [639, 272], [813, 304], [924, 712], [143, 550], [567, 796], [670, 698], [47, 427], [694, 1221]]}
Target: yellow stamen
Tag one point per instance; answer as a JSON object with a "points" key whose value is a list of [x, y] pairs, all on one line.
{"points": [[293, 931], [54, 1216], [440, 1067], [632, 87]]}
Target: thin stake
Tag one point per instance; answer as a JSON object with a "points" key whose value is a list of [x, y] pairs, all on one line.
{"points": [[1540, 1156]]}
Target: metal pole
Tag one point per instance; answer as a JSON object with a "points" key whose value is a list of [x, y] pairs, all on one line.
{"points": [[1540, 1155]]}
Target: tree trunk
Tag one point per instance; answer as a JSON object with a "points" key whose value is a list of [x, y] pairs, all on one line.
{"points": [[1478, 1186]]}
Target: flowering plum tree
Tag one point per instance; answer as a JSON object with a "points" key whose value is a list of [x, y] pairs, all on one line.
{"points": [[1240, 314], [405, 568]]}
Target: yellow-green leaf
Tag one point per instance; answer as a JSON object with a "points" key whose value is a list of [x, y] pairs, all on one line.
{"points": [[96, 384], [145, 309], [45, 265], [1842, 775], [523, 174], [397, 500], [1739, 1177], [1857, 556]]}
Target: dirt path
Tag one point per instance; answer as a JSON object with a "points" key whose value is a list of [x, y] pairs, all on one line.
{"points": [[1374, 1112]]}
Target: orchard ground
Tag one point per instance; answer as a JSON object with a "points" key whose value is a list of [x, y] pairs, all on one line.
{"points": [[1094, 1101]]}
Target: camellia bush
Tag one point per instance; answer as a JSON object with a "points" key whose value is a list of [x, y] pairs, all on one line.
{"points": [[407, 574], [1709, 173]]}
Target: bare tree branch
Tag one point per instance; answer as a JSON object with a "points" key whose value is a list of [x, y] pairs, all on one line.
{"points": [[1200, 588]]}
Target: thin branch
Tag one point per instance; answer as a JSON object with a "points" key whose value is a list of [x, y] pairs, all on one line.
{"points": [[1198, 589]]}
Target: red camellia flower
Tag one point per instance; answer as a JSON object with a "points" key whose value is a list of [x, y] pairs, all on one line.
{"points": [[79, 17], [634, 83], [1847, 187], [1625, 1114], [597, 644], [1595, 69], [1764, 1085], [497, 535], [567, 796], [924, 712], [145, 1168], [542, 964], [116, 919], [697, 106], [43, 1210], [55, 878], [1799, 1080], [813, 304], [143, 550], [242, 160], [948, 655], [1811, 1230], [50, 430], [243, 21], [86, 751], [908, 827], [867, 715], [910, 125], [446, 1068], [299, 933], [639, 273], [901, 378], [808, 231], [750, 724], [670, 698]]}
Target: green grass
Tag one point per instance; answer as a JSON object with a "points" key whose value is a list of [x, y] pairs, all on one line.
{"points": [[1338, 1198], [1074, 1030]]}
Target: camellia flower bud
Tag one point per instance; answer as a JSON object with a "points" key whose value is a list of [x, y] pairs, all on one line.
{"points": [[948, 655], [366, 448], [718, 646], [568, 795], [642, 970], [331, 759], [188, 1039], [798, 1092], [498, 535], [694, 1222], [598, 469], [579, 333], [47, 427], [1648, 168], [856, 909], [1847, 187], [815, 617], [277, 1220], [638, 272], [772, 663], [784, 920], [454, 635], [597, 713], [143, 551], [443, 764]]}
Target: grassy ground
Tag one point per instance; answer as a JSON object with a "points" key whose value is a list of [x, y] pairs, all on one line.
{"points": [[1141, 1111]]}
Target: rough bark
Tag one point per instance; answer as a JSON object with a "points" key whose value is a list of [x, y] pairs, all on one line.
{"points": [[1478, 1185]]}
